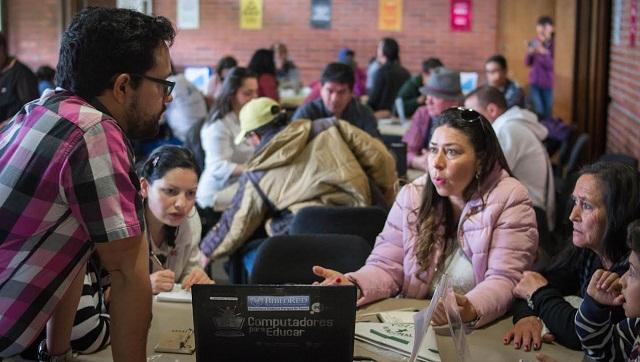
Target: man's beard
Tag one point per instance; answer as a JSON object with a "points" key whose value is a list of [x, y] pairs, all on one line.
{"points": [[141, 125]]}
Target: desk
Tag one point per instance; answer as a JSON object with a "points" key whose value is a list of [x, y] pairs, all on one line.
{"points": [[485, 343]]}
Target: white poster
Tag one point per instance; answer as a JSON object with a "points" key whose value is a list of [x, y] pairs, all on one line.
{"points": [[143, 6], [617, 19], [188, 14]]}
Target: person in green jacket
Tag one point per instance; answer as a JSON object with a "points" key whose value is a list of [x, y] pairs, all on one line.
{"points": [[410, 90]]}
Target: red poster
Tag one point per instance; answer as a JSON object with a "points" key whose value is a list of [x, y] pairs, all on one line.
{"points": [[633, 23], [461, 15]]}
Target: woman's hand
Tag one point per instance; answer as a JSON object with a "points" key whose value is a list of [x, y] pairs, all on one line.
{"points": [[331, 277], [530, 282], [197, 276], [526, 332], [465, 308], [162, 281], [605, 288]]}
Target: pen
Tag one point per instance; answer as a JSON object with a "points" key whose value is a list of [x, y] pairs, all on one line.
{"points": [[155, 258]]}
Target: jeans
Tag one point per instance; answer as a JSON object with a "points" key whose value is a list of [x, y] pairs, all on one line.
{"points": [[541, 100]]}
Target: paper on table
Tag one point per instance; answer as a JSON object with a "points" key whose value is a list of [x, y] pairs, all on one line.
{"points": [[397, 316], [176, 295], [397, 338]]}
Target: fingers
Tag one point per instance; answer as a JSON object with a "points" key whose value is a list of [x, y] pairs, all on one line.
{"points": [[619, 300], [439, 315], [461, 299], [323, 272], [517, 337], [527, 338], [609, 282], [536, 341], [508, 337]]}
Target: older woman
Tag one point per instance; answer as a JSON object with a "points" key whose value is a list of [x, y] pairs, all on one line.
{"points": [[468, 216], [606, 198]]}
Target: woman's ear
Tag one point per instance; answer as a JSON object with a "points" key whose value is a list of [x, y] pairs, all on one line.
{"points": [[144, 187]]}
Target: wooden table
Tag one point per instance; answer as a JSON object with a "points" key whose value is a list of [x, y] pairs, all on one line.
{"points": [[485, 343]]}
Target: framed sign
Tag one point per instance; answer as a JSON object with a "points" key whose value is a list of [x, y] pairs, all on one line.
{"points": [[321, 14], [461, 15]]}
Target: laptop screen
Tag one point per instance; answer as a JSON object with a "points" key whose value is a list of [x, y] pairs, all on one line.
{"points": [[274, 322]]}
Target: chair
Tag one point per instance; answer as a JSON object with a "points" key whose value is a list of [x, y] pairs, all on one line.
{"points": [[617, 157], [544, 235], [366, 222], [289, 258], [399, 151], [576, 153]]}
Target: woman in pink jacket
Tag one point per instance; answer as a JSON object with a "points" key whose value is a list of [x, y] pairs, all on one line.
{"points": [[468, 217]]}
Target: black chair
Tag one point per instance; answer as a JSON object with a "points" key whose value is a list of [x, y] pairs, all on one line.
{"points": [[366, 222], [618, 157], [289, 258], [576, 153]]}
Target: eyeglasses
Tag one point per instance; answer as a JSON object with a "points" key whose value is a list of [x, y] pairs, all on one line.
{"points": [[166, 84], [469, 115]]}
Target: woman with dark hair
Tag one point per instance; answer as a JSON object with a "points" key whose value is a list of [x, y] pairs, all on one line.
{"points": [[168, 181], [214, 86], [263, 65], [606, 199], [223, 159], [467, 217]]}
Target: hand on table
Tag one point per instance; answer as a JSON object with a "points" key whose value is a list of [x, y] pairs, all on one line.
{"points": [[465, 308], [197, 276], [605, 288], [162, 281], [526, 332]]}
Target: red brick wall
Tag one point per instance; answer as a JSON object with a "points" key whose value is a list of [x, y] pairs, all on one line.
{"points": [[425, 32], [623, 129]]}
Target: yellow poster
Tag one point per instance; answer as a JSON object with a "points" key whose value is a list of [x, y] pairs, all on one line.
{"points": [[250, 14], [390, 15]]}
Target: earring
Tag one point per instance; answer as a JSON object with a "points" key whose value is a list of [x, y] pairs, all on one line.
{"points": [[477, 175]]}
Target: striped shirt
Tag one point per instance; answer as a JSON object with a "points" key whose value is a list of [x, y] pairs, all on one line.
{"points": [[601, 338], [66, 182]]}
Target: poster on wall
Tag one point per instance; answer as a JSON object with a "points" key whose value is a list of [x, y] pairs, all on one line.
{"points": [[390, 15], [250, 14], [143, 6], [188, 12], [321, 14], [617, 21], [461, 12], [633, 23]]}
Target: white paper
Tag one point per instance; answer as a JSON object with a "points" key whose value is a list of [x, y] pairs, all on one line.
{"points": [[188, 14], [397, 316], [397, 338], [176, 295]]}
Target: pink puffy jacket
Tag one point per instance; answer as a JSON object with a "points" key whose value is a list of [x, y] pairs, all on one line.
{"points": [[500, 239]]}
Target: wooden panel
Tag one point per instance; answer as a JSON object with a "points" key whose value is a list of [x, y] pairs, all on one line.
{"points": [[565, 28]]}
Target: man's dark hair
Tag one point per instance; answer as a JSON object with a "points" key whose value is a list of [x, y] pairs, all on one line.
{"points": [[102, 43], [338, 73], [487, 94], [545, 20], [431, 63], [391, 49], [498, 59], [262, 62]]}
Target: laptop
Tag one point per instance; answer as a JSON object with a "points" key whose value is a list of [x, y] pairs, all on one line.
{"points": [[274, 322]]}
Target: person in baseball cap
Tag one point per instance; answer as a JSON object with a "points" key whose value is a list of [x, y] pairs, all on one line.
{"points": [[256, 114], [443, 91]]}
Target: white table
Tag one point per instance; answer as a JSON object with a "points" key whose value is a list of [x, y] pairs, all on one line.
{"points": [[485, 343]]}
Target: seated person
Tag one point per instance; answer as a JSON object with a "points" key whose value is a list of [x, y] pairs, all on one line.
{"points": [[468, 217], [214, 85], [520, 135], [410, 90], [336, 100], [224, 160], [263, 66], [345, 56], [496, 70], [168, 181], [601, 338], [606, 201], [442, 91], [388, 78], [91, 325], [286, 71], [295, 165]]}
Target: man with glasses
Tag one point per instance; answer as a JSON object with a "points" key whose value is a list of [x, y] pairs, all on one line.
{"points": [[68, 186]]}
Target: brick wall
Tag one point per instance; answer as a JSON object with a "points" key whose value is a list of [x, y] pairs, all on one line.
{"points": [[623, 129], [34, 34]]}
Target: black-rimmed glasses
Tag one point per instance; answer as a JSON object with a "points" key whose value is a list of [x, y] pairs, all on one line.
{"points": [[166, 84], [469, 115]]}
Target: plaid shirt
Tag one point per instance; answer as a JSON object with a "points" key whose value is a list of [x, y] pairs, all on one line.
{"points": [[66, 182]]}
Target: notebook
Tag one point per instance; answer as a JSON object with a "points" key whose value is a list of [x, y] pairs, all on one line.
{"points": [[176, 295], [274, 322]]}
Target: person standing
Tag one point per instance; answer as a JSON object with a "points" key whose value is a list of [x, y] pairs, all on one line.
{"points": [[69, 187], [540, 60]]}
